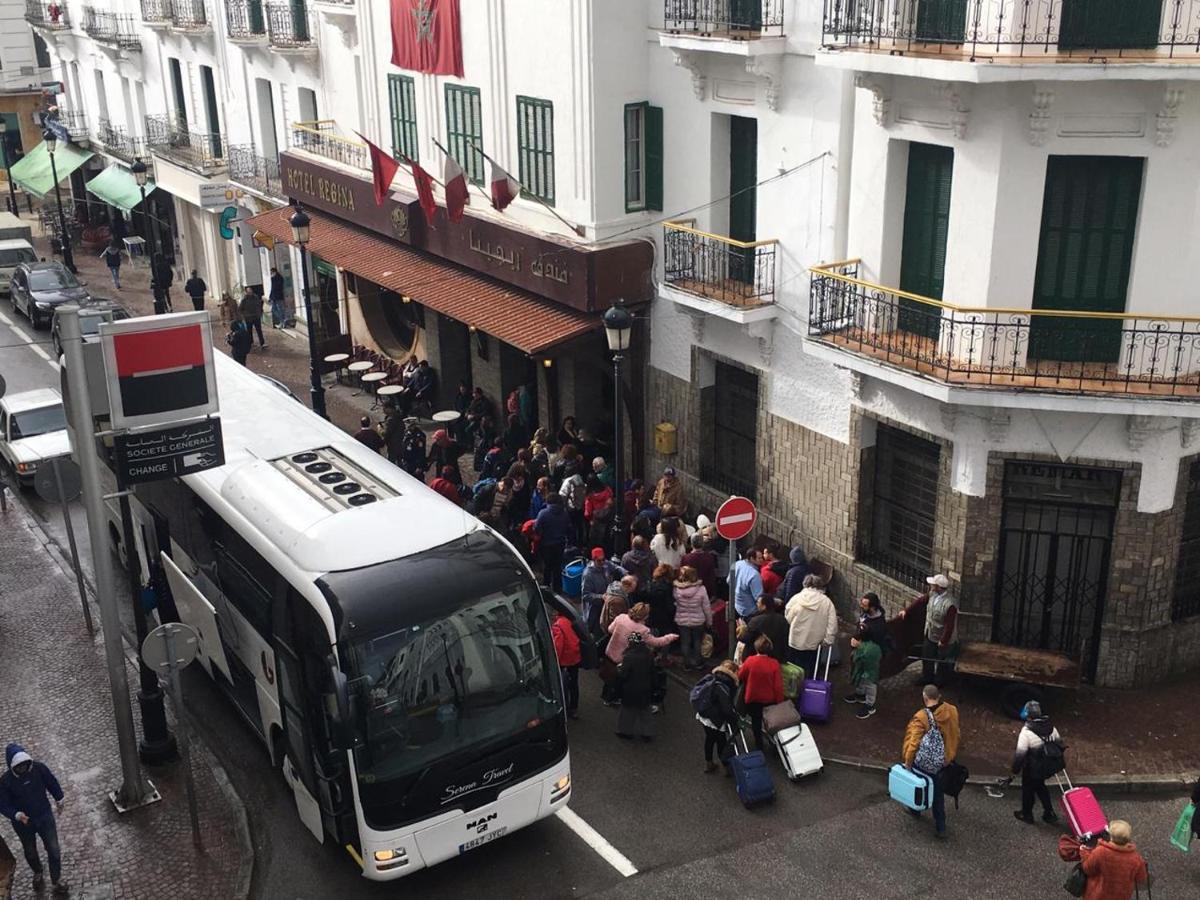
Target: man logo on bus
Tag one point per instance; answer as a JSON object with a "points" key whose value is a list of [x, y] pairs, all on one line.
{"points": [[479, 826]]}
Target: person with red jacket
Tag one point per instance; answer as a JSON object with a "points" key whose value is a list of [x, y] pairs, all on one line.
{"points": [[762, 677], [444, 485], [566, 645]]}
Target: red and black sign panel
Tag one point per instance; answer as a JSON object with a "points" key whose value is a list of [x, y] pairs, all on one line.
{"points": [[161, 371]]}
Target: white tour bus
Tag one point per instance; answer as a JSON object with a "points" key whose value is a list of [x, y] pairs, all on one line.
{"points": [[393, 652]]}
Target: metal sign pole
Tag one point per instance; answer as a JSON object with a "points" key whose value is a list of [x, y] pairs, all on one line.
{"points": [[185, 737], [731, 607], [66, 512], [133, 789]]}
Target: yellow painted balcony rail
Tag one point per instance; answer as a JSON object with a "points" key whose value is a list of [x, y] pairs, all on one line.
{"points": [[738, 273], [1014, 349], [322, 139]]}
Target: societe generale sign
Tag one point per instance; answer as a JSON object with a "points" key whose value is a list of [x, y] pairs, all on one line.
{"points": [[159, 369]]}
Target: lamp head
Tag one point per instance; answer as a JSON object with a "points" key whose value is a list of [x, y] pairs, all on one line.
{"points": [[51, 140], [139, 172], [618, 325], [300, 222]]}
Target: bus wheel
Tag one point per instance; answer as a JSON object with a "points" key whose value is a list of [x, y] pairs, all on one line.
{"points": [[278, 751]]}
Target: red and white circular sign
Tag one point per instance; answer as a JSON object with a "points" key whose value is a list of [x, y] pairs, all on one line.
{"points": [[736, 518]]}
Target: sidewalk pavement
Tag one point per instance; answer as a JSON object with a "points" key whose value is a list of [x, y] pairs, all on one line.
{"points": [[56, 702], [1132, 738]]}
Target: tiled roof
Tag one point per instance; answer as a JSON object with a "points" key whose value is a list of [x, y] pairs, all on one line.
{"points": [[508, 314]]}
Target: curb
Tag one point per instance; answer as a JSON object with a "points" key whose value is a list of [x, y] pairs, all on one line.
{"points": [[220, 776], [1119, 783]]}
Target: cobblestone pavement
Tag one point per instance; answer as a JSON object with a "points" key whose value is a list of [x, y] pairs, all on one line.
{"points": [[56, 702]]}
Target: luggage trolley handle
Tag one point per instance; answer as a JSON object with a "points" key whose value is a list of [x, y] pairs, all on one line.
{"points": [[828, 660], [1060, 777]]}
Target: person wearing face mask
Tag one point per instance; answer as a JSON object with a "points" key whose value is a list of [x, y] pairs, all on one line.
{"points": [[24, 792]]}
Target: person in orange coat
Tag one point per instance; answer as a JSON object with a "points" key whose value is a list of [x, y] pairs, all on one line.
{"points": [[763, 679], [445, 486], [1114, 867], [566, 647]]}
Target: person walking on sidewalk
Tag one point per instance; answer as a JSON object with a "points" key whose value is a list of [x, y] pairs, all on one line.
{"points": [[239, 341], [112, 259], [812, 621], [566, 646], [24, 790], [195, 288], [930, 744], [250, 308], [941, 616], [278, 313], [1035, 763], [763, 679], [1114, 868], [714, 710], [161, 279]]}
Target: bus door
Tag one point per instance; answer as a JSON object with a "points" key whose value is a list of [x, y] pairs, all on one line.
{"points": [[298, 766], [195, 610]]}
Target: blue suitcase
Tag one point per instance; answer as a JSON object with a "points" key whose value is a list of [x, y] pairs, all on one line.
{"points": [[913, 790], [752, 777]]}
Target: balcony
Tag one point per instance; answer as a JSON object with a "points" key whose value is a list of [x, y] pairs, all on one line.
{"points": [[258, 173], [116, 141], [737, 274], [246, 21], [156, 13], [196, 150], [71, 123], [1012, 32], [49, 16], [111, 29], [1122, 355], [289, 29], [321, 138], [734, 20], [190, 17]]}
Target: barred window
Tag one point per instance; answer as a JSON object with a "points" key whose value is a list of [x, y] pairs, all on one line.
{"points": [[1186, 601], [464, 129], [535, 147], [733, 423], [403, 102], [904, 505]]}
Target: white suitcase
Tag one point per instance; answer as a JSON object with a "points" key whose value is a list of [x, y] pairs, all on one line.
{"points": [[798, 751]]}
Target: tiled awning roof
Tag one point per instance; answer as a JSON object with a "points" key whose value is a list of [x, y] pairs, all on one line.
{"points": [[524, 320]]}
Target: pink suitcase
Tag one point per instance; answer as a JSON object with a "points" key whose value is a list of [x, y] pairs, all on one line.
{"points": [[1082, 810]]}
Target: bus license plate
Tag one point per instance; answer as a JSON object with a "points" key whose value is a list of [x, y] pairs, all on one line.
{"points": [[480, 841]]}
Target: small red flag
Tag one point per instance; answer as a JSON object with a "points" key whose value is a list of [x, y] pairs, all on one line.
{"points": [[456, 189], [383, 170], [504, 188], [424, 190]]}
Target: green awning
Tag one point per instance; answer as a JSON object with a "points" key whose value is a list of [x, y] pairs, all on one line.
{"points": [[117, 187], [32, 172]]}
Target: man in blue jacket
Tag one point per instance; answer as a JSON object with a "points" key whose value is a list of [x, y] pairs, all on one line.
{"points": [[24, 791]]}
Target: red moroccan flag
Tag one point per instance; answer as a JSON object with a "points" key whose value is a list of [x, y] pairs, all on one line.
{"points": [[383, 170], [424, 190], [456, 189], [504, 188], [427, 37]]}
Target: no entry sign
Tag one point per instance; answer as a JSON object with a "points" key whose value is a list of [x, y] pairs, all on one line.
{"points": [[736, 518]]}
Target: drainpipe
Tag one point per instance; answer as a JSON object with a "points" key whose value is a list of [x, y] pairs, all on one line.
{"points": [[843, 166]]}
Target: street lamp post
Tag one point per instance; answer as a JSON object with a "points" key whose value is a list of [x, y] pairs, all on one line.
{"points": [[64, 236], [12, 190], [300, 223], [618, 325], [140, 176]]}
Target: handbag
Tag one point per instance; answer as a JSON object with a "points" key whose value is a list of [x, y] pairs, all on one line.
{"points": [[706, 646], [1181, 837], [1076, 882]]}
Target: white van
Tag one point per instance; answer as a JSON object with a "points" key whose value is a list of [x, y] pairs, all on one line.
{"points": [[12, 254]]}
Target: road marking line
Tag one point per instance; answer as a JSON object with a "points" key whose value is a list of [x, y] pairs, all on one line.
{"points": [[20, 332], [52, 363], [40, 352], [5, 319], [596, 841]]}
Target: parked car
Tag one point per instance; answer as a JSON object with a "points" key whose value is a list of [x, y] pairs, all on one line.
{"points": [[37, 288], [33, 430], [90, 317], [13, 252]]}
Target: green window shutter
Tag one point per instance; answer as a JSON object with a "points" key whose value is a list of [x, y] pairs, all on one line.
{"points": [[942, 20], [464, 129], [926, 230], [654, 157], [535, 147], [403, 104], [1110, 24]]}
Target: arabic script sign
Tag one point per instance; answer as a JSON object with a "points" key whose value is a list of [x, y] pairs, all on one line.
{"points": [[159, 453]]}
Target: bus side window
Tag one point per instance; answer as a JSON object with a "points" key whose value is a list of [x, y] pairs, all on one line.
{"points": [[247, 581]]}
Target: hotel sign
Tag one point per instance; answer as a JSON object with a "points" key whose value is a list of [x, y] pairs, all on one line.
{"points": [[589, 280]]}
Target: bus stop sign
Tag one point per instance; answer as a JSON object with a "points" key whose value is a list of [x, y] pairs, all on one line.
{"points": [[736, 518]]}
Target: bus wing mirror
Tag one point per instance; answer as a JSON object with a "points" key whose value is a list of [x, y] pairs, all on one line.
{"points": [[343, 720]]}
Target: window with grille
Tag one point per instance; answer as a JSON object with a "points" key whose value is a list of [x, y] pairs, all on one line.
{"points": [[904, 506], [1186, 601], [733, 461], [464, 129], [403, 102], [535, 147]]}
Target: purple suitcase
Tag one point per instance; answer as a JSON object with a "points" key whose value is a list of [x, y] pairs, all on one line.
{"points": [[816, 697]]}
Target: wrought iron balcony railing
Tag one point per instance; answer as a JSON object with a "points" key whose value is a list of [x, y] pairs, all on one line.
{"points": [[738, 19], [246, 20], [1037, 29], [288, 26], [1012, 349], [173, 140], [258, 173], [737, 273], [321, 139], [156, 12], [189, 15], [116, 141], [51, 15], [73, 121], [111, 28]]}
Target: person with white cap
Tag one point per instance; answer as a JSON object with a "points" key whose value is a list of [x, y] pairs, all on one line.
{"points": [[23, 800], [941, 617]]}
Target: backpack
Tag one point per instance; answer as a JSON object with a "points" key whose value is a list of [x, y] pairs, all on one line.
{"points": [[931, 752], [703, 697], [1047, 760], [954, 779]]}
